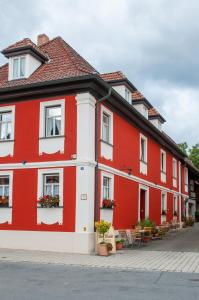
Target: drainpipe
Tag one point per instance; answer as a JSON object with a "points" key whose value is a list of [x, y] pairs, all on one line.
{"points": [[180, 191], [97, 147]]}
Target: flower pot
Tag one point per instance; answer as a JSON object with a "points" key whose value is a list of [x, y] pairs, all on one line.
{"points": [[119, 246], [102, 250]]}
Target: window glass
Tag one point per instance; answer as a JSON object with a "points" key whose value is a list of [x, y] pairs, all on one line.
{"points": [[106, 188], [53, 121], [163, 202], [15, 68], [163, 161], [22, 66], [143, 150], [106, 128], [51, 185], [5, 125], [4, 186]]}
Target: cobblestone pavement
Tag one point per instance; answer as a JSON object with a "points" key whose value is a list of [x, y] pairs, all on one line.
{"points": [[137, 259]]}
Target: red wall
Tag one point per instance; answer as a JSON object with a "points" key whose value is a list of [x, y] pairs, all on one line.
{"points": [[126, 154]]}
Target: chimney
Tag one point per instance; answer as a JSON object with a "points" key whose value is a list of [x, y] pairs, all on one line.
{"points": [[42, 39]]}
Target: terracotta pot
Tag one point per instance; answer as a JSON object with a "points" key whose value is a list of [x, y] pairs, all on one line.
{"points": [[102, 250], [119, 246]]}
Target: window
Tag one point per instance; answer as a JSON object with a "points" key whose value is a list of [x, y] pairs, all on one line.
{"points": [[143, 149], [175, 204], [5, 125], [174, 168], [145, 111], [106, 128], [106, 187], [127, 95], [186, 179], [164, 203], [4, 186], [18, 67], [53, 121], [163, 161], [51, 185]]}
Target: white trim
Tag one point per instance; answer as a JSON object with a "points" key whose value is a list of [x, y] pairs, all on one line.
{"points": [[163, 172], [110, 114], [186, 179], [107, 214], [42, 122], [111, 176], [145, 188], [55, 143], [175, 203], [10, 174], [137, 179], [164, 217], [143, 164], [42, 172], [50, 215], [7, 146], [6, 212], [106, 147]]}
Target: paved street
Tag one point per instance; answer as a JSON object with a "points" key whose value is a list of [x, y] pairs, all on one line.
{"points": [[27, 281]]}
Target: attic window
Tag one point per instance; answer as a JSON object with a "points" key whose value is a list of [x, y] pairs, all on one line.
{"points": [[18, 67]]}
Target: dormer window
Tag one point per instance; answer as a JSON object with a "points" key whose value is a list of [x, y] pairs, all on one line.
{"points": [[18, 67], [127, 95]]}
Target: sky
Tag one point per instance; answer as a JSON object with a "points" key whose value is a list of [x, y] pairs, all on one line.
{"points": [[154, 42]]}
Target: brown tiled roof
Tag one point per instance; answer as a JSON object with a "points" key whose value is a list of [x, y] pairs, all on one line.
{"points": [[21, 45], [64, 62], [113, 76], [137, 96], [154, 113]]}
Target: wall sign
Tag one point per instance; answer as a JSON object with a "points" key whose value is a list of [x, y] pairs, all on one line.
{"points": [[83, 196]]}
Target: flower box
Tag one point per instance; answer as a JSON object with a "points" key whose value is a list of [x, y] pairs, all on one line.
{"points": [[107, 203], [49, 201], [4, 201]]}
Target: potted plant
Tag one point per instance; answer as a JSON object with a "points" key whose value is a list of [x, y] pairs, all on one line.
{"points": [[4, 201], [107, 203], [197, 215], [119, 244], [102, 227], [49, 201]]}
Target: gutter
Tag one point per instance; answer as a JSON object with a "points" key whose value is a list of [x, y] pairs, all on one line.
{"points": [[97, 150]]}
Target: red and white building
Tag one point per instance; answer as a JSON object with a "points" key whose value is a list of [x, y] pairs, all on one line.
{"points": [[68, 131]]}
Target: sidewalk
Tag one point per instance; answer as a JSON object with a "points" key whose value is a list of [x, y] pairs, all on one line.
{"points": [[168, 261]]}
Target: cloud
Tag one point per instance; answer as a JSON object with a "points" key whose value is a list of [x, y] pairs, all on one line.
{"points": [[154, 42]]}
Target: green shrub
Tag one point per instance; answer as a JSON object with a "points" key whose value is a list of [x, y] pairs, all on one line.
{"points": [[146, 223], [197, 215]]}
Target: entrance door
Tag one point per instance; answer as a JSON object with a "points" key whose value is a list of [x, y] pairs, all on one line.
{"points": [[142, 204]]}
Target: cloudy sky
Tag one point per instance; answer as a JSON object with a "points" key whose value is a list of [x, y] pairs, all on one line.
{"points": [[154, 42]]}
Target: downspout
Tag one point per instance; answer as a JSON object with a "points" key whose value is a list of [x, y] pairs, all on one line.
{"points": [[97, 148]]}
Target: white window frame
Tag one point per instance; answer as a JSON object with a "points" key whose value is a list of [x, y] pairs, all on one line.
{"points": [[186, 179], [142, 137], [106, 111], [18, 58], [164, 169], [165, 204], [111, 192], [10, 174], [127, 95], [175, 203], [11, 109], [43, 106], [42, 173], [174, 168]]}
